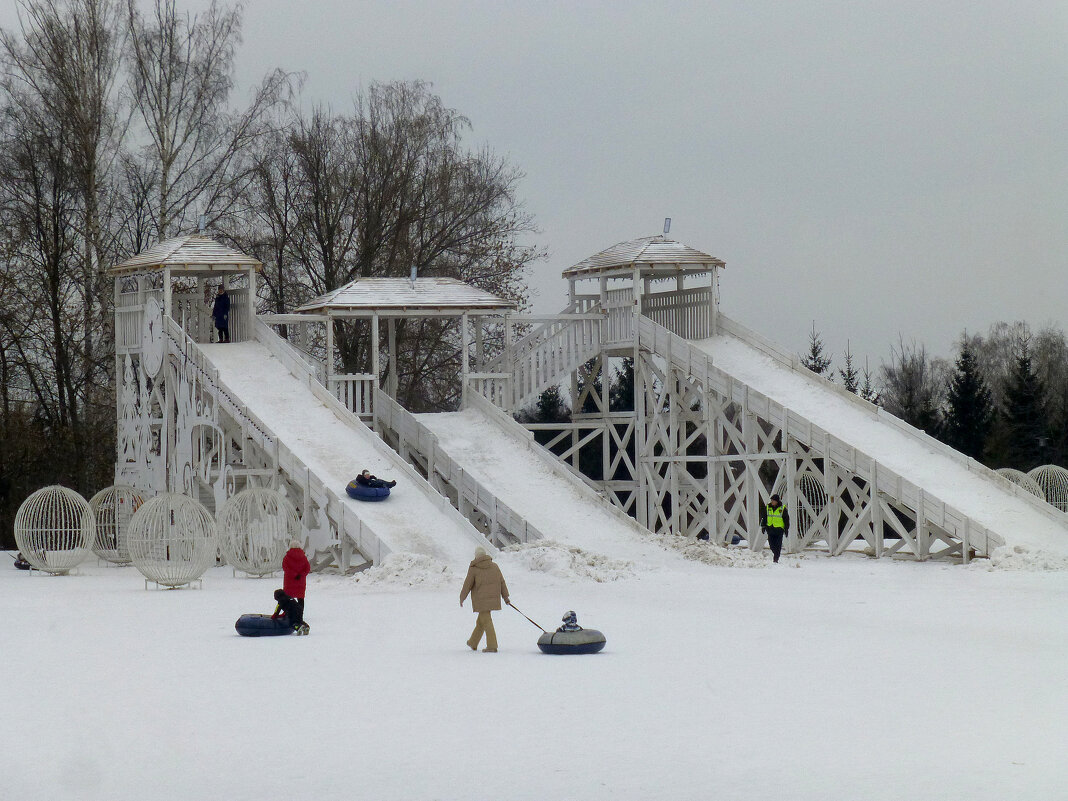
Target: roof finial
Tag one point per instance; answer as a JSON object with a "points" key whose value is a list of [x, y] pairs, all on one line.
{"points": [[413, 275], [203, 224], [667, 225]]}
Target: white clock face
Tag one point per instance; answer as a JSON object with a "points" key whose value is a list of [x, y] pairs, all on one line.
{"points": [[152, 338]]}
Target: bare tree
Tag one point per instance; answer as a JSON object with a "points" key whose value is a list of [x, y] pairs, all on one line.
{"points": [[182, 70], [913, 386]]}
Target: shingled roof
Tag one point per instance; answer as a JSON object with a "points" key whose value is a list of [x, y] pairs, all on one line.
{"points": [[192, 253], [431, 295], [654, 255]]}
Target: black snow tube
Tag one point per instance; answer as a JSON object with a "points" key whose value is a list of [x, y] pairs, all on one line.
{"points": [[583, 641], [262, 626], [362, 493]]}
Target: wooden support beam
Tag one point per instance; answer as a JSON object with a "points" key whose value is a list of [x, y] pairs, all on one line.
{"points": [[391, 334]]}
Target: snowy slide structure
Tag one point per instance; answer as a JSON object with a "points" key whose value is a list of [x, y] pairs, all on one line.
{"points": [[952, 492], [317, 436], [503, 457]]}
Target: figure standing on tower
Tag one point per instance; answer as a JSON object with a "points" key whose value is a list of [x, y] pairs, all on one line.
{"points": [[220, 311]]}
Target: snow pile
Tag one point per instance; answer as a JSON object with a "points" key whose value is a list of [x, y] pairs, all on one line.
{"points": [[400, 570], [1017, 557], [711, 553], [567, 561]]}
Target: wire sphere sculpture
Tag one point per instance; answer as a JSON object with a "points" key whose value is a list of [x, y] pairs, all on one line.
{"points": [[113, 508], [811, 498], [255, 527], [54, 529], [172, 539], [1054, 483], [1021, 479]]}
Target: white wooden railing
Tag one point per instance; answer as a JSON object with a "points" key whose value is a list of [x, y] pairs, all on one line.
{"points": [[686, 312], [414, 441], [356, 393], [559, 345]]}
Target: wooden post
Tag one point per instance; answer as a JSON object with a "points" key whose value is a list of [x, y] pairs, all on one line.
{"points": [[923, 542], [479, 354], [167, 291], [830, 483], [794, 537], [329, 366], [713, 302], [374, 364], [391, 333], [876, 511], [251, 333], [465, 366], [509, 362]]}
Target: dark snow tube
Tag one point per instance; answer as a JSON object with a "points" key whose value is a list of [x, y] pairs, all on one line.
{"points": [[585, 641], [362, 493], [262, 626]]}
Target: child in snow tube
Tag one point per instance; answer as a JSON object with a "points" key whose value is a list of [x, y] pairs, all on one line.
{"points": [[367, 487], [571, 638]]}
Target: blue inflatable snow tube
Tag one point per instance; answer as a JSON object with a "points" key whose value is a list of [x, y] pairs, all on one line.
{"points": [[262, 626], [583, 641], [362, 493]]}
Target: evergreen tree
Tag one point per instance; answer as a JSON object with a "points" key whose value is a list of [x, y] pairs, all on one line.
{"points": [[621, 394], [867, 389], [814, 360], [1024, 414], [550, 407], [849, 375], [912, 386], [970, 408]]}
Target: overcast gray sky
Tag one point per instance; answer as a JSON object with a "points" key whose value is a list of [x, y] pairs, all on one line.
{"points": [[882, 168]]}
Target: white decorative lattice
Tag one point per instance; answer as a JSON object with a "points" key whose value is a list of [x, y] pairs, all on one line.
{"points": [[54, 529], [1021, 479], [172, 539], [255, 527], [1054, 483], [113, 509]]}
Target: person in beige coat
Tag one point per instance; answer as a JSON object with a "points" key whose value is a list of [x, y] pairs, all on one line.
{"points": [[485, 584]]}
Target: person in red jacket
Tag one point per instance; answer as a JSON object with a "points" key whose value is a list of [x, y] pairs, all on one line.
{"points": [[295, 569]]}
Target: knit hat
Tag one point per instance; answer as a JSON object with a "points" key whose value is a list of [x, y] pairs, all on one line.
{"points": [[479, 551], [295, 544]]}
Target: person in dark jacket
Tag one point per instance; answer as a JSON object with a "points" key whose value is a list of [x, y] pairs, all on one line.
{"points": [[220, 312], [295, 569], [485, 584], [365, 479], [775, 523]]}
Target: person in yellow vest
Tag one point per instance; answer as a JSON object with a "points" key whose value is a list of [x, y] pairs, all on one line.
{"points": [[775, 523]]}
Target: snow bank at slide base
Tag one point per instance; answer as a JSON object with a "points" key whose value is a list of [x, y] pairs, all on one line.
{"points": [[400, 570], [552, 558], [1017, 557], [567, 561]]}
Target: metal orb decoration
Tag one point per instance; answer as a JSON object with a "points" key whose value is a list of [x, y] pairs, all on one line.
{"points": [[255, 527], [809, 486], [54, 529], [1054, 483], [113, 509], [1021, 479], [172, 539]]}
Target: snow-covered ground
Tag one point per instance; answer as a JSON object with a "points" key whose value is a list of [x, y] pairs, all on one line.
{"points": [[843, 678]]}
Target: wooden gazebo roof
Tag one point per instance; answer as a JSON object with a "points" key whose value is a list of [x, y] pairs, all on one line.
{"points": [[432, 296], [188, 254], [655, 256]]}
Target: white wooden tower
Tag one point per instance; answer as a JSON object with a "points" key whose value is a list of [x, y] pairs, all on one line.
{"points": [[169, 435]]}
